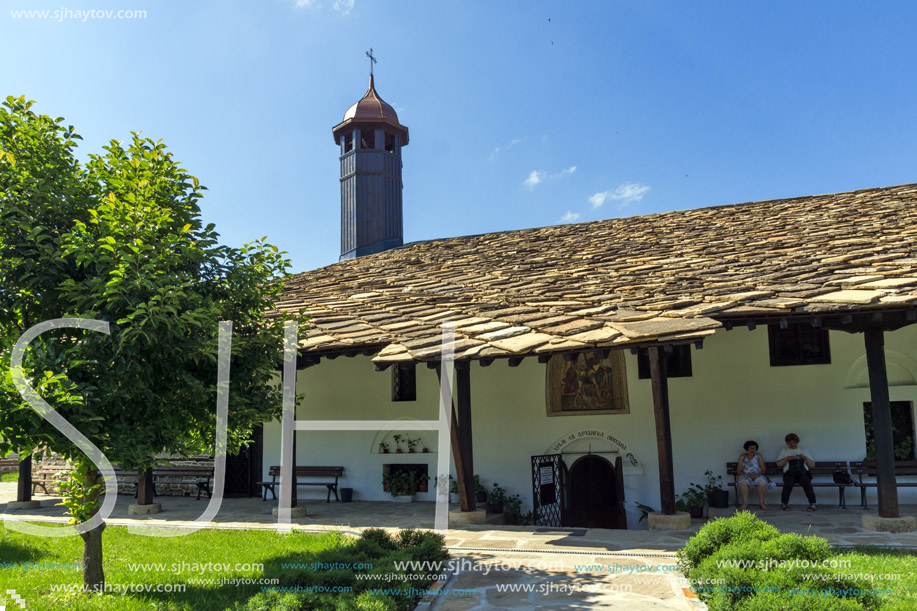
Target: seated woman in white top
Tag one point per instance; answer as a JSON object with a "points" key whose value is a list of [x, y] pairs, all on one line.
{"points": [[751, 471]]}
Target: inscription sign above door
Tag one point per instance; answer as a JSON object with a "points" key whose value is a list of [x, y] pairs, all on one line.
{"points": [[596, 441]]}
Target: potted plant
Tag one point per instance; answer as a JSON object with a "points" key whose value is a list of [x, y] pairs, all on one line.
{"points": [[495, 498], [447, 483], [480, 492], [512, 509], [716, 495], [403, 485], [692, 500], [645, 510], [423, 446], [384, 448], [398, 439], [412, 444]]}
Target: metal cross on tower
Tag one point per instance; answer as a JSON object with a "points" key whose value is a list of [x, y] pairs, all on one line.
{"points": [[372, 60]]}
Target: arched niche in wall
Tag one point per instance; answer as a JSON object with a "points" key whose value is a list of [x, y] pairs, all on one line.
{"points": [[902, 371], [427, 438], [578, 442]]}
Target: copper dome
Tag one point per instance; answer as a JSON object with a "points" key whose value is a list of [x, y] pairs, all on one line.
{"points": [[371, 106], [371, 111]]}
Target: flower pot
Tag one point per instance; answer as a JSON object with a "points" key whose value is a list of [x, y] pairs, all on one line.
{"points": [[411, 451], [407, 498], [386, 451], [697, 512], [426, 450], [422, 488], [495, 507], [454, 498], [346, 495], [718, 499], [399, 451]]}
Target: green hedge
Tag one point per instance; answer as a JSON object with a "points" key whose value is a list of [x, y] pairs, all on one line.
{"points": [[744, 564], [375, 547]]}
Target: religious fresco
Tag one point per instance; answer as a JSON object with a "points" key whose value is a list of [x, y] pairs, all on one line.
{"points": [[593, 383]]}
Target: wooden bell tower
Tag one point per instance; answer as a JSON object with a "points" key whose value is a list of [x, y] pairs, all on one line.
{"points": [[370, 140]]}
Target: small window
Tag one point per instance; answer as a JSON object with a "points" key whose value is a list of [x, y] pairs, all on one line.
{"points": [[368, 139], [404, 383], [902, 430], [798, 344], [348, 142], [389, 142], [677, 362]]}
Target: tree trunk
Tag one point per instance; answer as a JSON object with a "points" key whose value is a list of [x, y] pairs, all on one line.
{"points": [[93, 576]]}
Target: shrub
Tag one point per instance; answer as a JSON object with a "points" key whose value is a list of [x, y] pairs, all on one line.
{"points": [[762, 569], [797, 602], [375, 547], [744, 526], [368, 602], [375, 542], [744, 584], [410, 537], [273, 601]]}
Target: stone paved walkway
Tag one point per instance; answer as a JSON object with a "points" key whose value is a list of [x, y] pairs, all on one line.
{"points": [[544, 566]]}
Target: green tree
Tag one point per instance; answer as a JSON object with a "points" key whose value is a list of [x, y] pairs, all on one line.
{"points": [[119, 238]]}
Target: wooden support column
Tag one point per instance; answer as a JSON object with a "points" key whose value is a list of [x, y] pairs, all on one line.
{"points": [[882, 425], [294, 502], [463, 400], [145, 488], [660, 380], [465, 500], [24, 487]]}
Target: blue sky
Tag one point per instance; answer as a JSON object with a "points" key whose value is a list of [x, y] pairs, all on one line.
{"points": [[521, 114]]}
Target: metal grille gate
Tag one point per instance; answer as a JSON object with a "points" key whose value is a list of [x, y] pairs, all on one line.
{"points": [[549, 490]]}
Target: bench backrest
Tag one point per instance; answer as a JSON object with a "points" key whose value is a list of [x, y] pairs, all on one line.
{"points": [[335, 472], [822, 467], [188, 470], [868, 467], [55, 468]]}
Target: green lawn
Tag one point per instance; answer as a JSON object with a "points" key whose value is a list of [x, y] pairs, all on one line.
{"points": [[9, 477], [883, 562], [184, 559]]}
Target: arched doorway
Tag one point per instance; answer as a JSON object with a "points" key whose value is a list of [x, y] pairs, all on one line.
{"points": [[596, 494]]}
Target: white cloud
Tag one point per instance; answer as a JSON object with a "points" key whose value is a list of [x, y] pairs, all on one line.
{"points": [[570, 217], [623, 193], [343, 6], [505, 147], [533, 179], [538, 176]]}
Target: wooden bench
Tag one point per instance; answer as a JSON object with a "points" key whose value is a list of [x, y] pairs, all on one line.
{"points": [[327, 472], [49, 474], [199, 476], [864, 468], [9, 465], [825, 468]]}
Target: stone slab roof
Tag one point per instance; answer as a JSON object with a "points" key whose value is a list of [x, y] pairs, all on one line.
{"points": [[660, 277]]}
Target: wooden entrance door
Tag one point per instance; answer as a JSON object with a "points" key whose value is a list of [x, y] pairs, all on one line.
{"points": [[594, 493]]}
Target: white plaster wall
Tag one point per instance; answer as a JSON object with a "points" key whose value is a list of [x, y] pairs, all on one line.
{"points": [[733, 395]]}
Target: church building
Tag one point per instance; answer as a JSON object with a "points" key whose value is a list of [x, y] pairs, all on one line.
{"points": [[604, 364]]}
